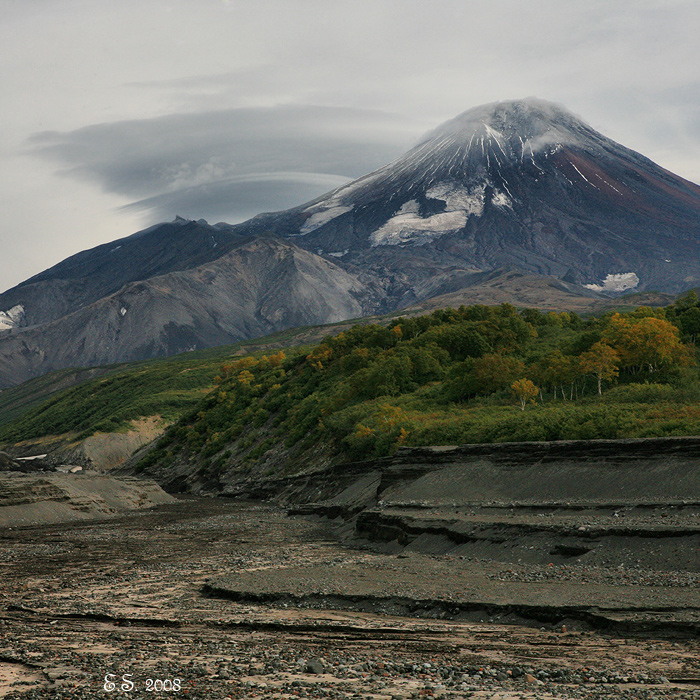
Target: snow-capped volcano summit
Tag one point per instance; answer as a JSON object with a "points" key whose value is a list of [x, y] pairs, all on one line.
{"points": [[525, 125], [463, 163], [460, 163], [522, 184]]}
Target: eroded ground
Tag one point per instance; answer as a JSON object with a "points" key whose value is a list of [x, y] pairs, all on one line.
{"points": [[217, 599]]}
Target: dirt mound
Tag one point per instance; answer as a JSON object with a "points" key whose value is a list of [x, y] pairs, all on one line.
{"points": [[32, 499], [107, 451]]}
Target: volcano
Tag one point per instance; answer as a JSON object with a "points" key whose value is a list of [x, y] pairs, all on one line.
{"points": [[512, 186], [521, 184]]}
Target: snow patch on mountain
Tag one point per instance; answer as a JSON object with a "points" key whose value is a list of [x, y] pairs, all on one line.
{"points": [[12, 317], [499, 199], [410, 207], [408, 226], [456, 197], [411, 228], [321, 217], [616, 283]]}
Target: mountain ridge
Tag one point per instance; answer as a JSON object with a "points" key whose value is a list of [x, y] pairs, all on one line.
{"points": [[515, 185], [258, 287]]}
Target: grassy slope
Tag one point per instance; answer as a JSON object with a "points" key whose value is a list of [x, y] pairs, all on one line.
{"points": [[525, 291], [106, 398], [31, 394], [364, 393], [45, 405]]}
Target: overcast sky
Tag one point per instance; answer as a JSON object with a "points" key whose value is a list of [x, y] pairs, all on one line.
{"points": [[116, 115]]}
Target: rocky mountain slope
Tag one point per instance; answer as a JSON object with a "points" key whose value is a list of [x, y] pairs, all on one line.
{"points": [[260, 286], [519, 185], [90, 275]]}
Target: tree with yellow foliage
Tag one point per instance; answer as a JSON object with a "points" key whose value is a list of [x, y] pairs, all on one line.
{"points": [[320, 356], [602, 361], [277, 359], [646, 343], [559, 370], [228, 369], [245, 377], [525, 391]]}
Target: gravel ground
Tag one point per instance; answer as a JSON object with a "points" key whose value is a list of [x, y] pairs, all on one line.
{"points": [[88, 609]]}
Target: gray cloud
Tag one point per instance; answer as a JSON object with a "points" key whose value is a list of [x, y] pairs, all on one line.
{"points": [[251, 195], [230, 163]]}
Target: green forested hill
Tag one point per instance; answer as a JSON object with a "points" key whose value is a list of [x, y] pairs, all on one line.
{"points": [[474, 374], [84, 401]]}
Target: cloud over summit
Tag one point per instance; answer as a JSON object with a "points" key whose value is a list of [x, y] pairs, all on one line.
{"points": [[228, 164]]}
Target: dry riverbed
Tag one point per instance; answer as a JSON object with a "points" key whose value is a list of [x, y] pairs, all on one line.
{"points": [[216, 599]]}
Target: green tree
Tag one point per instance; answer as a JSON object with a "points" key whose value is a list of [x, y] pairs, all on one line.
{"points": [[461, 340], [390, 375], [494, 372], [689, 322], [687, 301]]}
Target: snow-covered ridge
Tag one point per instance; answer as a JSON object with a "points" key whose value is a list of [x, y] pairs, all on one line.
{"points": [[12, 317]]}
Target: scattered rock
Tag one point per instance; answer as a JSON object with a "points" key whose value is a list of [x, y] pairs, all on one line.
{"points": [[315, 666]]}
